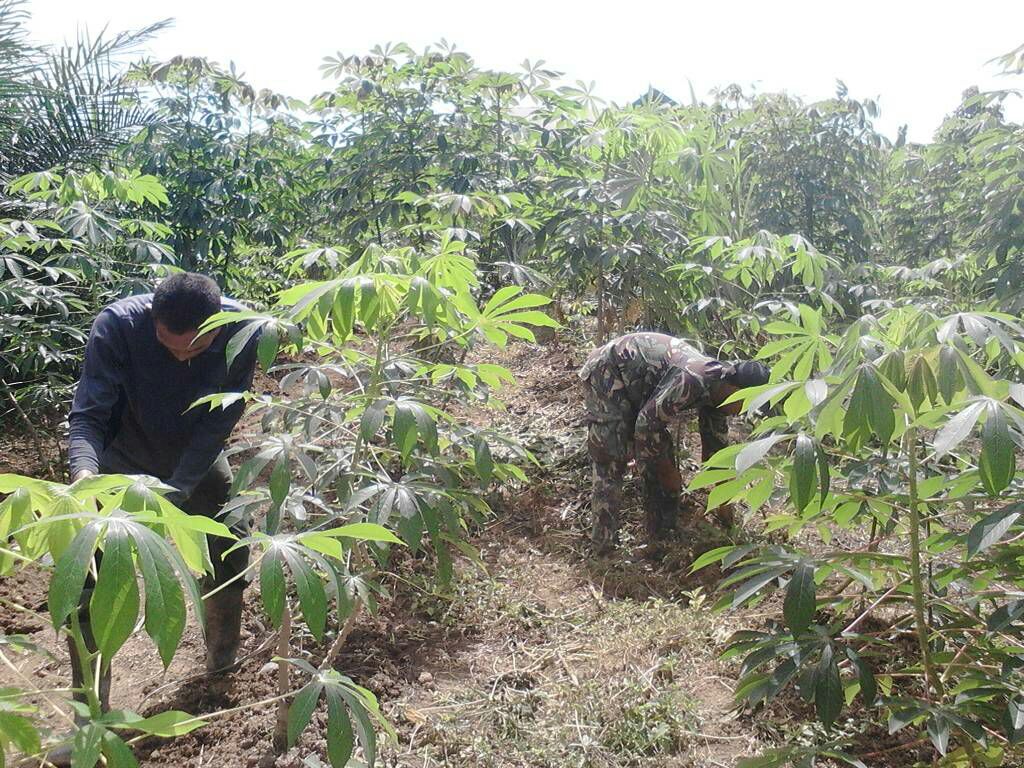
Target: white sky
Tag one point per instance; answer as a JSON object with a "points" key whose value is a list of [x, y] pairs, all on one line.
{"points": [[914, 56]]}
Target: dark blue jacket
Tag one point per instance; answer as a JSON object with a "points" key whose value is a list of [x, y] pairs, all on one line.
{"points": [[130, 412]]}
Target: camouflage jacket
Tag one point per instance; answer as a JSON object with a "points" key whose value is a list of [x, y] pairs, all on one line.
{"points": [[660, 376]]}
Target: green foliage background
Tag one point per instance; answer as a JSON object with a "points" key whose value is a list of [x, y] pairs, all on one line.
{"points": [[422, 207]]}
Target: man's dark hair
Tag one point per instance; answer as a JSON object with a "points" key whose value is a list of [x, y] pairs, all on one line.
{"points": [[748, 373], [183, 301]]}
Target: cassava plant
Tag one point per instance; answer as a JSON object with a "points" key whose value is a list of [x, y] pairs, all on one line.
{"points": [[142, 537], [364, 453], [728, 290], [898, 549], [80, 241]]}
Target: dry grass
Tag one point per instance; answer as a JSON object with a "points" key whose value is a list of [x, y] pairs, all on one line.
{"points": [[562, 676], [571, 662]]}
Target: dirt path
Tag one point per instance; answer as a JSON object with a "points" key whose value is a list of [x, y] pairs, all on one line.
{"points": [[547, 659], [562, 675], [576, 662]]}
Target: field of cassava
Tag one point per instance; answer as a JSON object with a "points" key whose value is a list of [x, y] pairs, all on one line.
{"points": [[429, 251]]}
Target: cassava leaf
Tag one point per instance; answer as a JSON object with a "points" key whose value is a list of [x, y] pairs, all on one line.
{"points": [[998, 463], [169, 724], [310, 588], [800, 604], [957, 429], [272, 586], [267, 346], [341, 739], [85, 749], [69, 575], [753, 452], [363, 532], [828, 689], [991, 528], [1013, 720], [482, 460], [118, 754], [866, 677], [301, 709], [949, 380], [165, 601], [938, 732], [114, 606], [804, 473]]}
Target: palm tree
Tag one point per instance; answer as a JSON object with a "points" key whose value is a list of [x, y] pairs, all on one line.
{"points": [[68, 105]]}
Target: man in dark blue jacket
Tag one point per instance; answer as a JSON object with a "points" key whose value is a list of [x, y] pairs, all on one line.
{"points": [[144, 366]]}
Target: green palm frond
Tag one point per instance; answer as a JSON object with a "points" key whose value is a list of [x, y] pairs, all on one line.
{"points": [[68, 105]]}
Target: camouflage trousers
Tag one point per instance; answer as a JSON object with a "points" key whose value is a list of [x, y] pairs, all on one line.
{"points": [[611, 418]]}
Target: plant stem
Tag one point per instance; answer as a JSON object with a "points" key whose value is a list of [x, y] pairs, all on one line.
{"points": [[864, 614], [339, 641], [897, 748], [372, 392], [251, 567], [91, 678], [283, 681], [213, 715], [916, 579]]}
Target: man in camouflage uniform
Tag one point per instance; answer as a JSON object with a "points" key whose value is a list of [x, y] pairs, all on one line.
{"points": [[636, 386]]}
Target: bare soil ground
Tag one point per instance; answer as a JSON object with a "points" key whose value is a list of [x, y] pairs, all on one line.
{"points": [[547, 658]]}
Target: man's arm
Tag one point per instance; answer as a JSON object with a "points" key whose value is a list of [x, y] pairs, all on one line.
{"points": [[679, 393], [215, 426], [714, 431], [99, 389], [653, 447]]}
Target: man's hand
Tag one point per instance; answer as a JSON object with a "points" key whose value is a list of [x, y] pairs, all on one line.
{"points": [[668, 476], [82, 474]]}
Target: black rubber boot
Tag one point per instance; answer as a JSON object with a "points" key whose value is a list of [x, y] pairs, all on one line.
{"points": [[223, 630]]}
